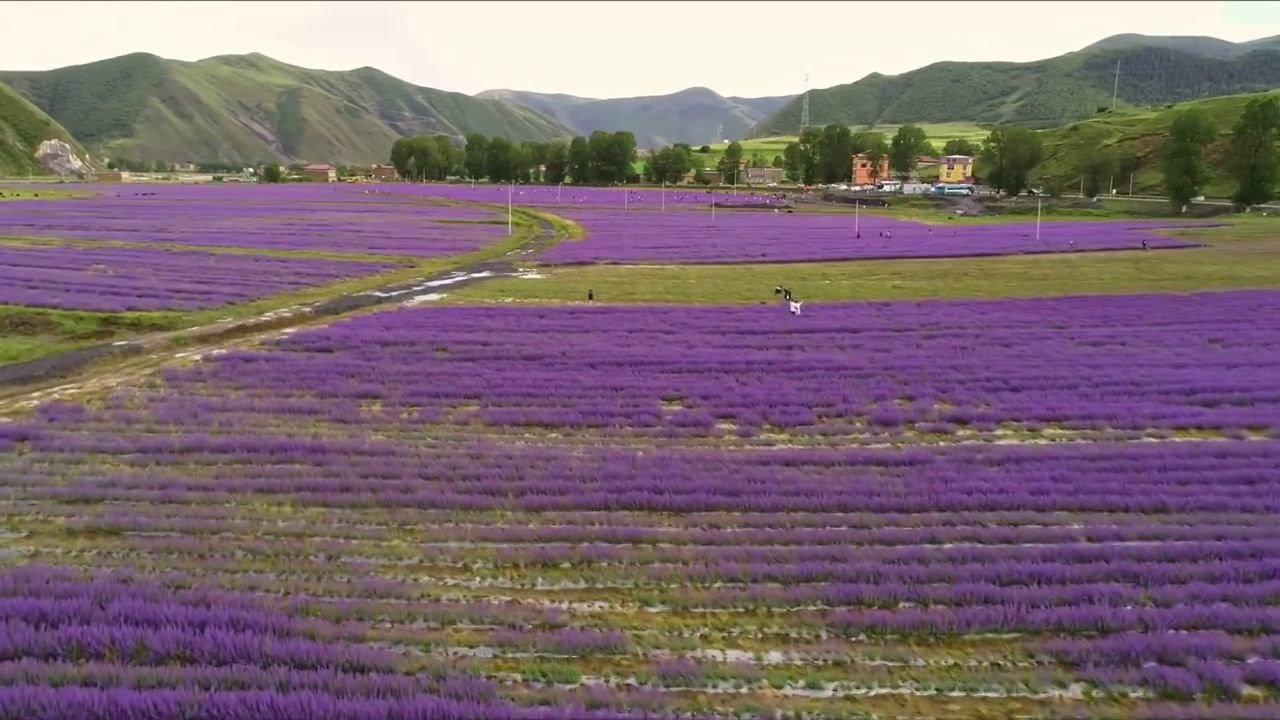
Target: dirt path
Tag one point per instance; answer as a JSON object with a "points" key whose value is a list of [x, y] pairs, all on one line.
{"points": [[24, 385]]}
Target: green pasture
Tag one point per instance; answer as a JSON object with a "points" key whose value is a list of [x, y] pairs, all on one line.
{"points": [[1244, 255], [7, 194], [938, 134]]}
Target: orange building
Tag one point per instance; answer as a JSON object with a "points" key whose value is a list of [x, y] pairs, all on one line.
{"points": [[862, 174]]}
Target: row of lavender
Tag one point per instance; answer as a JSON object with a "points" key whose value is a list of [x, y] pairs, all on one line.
{"points": [[123, 647], [1096, 556], [686, 236], [1137, 363], [136, 279], [760, 237], [145, 277], [330, 220]]}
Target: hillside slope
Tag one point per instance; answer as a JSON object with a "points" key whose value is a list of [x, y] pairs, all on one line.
{"points": [[252, 108], [692, 116], [23, 127], [1140, 134], [1045, 93]]}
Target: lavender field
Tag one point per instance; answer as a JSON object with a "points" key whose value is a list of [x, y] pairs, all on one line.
{"points": [[1045, 508], [759, 237], [323, 220], [141, 279], [179, 248]]}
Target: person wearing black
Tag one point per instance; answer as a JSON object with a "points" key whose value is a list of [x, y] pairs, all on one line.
{"points": [[1145, 246], [591, 295]]}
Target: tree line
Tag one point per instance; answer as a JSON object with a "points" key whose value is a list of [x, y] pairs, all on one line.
{"points": [[602, 158], [1010, 160]]}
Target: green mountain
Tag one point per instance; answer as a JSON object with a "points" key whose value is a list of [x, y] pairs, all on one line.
{"points": [[253, 108], [23, 127], [1045, 93], [1140, 134], [696, 116]]}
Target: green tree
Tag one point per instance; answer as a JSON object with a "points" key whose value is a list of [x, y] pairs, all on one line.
{"points": [[778, 162], [834, 150], [622, 155], [730, 162], [792, 163], [520, 168], [273, 173], [960, 146], [476, 151], [427, 162], [669, 165], [1182, 155], [557, 162], [1008, 157], [1251, 155], [498, 160], [580, 161], [603, 170], [907, 145], [450, 156], [811, 155], [1096, 166]]}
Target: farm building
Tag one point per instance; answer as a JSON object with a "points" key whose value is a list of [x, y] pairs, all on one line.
{"points": [[712, 177], [956, 169], [385, 173], [111, 176], [763, 175], [320, 173], [926, 161], [862, 170]]}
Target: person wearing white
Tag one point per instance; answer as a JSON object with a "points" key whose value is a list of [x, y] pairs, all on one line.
{"points": [[795, 306]]}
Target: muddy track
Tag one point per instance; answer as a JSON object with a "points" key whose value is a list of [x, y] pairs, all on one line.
{"points": [[20, 378]]}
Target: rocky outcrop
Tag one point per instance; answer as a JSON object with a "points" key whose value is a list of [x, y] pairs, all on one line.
{"points": [[58, 158]]}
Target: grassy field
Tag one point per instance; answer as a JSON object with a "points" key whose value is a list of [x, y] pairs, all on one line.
{"points": [[1245, 255], [938, 134], [1140, 133], [42, 194]]}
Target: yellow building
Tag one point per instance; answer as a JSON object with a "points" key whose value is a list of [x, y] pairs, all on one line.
{"points": [[955, 169]]}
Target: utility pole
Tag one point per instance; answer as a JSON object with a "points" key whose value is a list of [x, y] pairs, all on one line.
{"points": [[1115, 90], [804, 106]]}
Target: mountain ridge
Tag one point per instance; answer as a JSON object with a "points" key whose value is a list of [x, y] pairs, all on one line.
{"points": [[1154, 70], [254, 108], [695, 115], [23, 126]]}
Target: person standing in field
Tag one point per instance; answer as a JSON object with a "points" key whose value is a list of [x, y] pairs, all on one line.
{"points": [[795, 306], [1145, 246], [591, 295]]}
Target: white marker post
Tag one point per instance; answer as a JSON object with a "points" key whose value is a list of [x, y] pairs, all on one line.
{"points": [[626, 198], [559, 189], [856, 207], [713, 206], [664, 194], [1037, 218], [510, 191]]}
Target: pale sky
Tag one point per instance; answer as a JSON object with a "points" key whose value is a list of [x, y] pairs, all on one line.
{"points": [[606, 49]]}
